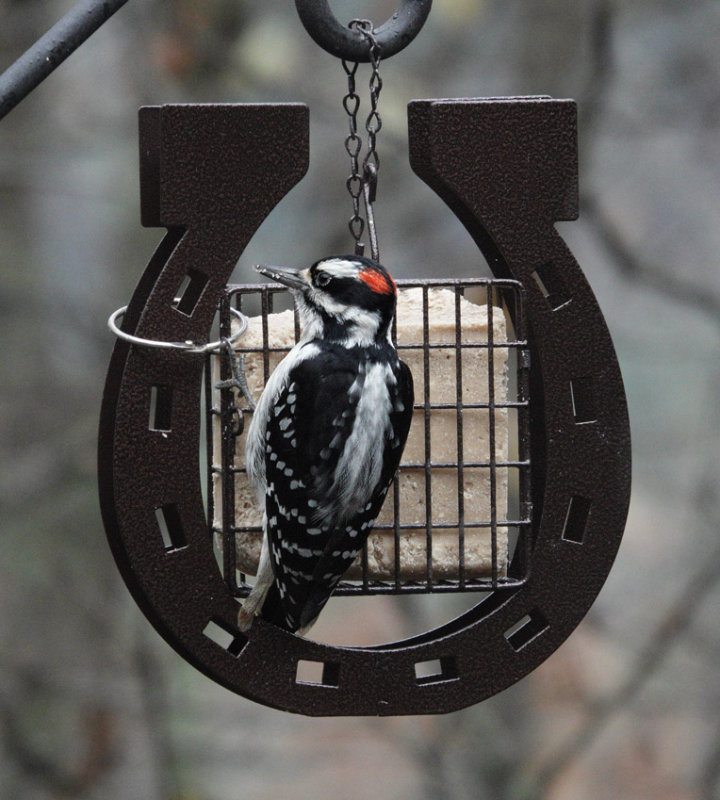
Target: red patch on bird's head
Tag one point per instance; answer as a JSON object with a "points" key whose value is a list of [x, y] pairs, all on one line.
{"points": [[379, 282]]}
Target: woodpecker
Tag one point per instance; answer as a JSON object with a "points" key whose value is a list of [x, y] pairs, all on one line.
{"points": [[325, 440]]}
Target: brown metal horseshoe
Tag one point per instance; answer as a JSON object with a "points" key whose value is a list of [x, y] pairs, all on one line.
{"points": [[508, 170]]}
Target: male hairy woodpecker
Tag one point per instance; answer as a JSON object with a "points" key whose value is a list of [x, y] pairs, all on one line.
{"points": [[326, 437]]}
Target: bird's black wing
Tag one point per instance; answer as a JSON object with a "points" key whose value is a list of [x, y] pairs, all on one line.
{"points": [[313, 414], [313, 540], [346, 542]]}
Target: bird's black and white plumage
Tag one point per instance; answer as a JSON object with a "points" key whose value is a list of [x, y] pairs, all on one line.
{"points": [[326, 437]]}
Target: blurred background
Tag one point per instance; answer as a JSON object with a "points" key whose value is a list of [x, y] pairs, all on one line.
{"points": [[93, 704]]}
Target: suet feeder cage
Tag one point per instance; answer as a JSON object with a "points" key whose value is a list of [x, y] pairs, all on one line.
{"points": [[458, 518]]}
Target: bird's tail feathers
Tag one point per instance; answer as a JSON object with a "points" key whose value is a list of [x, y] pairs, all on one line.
{"points": [[273, 610]]}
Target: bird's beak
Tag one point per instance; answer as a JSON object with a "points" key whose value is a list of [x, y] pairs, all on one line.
{"points": [[292, 278]]}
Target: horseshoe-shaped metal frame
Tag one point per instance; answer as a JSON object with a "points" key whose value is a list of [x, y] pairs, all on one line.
{"points": [[508, 170]]}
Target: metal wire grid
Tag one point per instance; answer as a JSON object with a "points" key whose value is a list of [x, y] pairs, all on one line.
{"points": [[506, 294]]}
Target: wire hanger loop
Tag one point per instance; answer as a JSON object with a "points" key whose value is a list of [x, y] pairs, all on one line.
{"points": [[350, 45]]}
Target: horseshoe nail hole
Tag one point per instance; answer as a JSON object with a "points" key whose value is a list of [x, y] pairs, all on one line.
{"points": [[224, 637], [318, 673], [171, 529], [189, 292], [436, 671], [582, 394], [576, 519], [551, 286], [526, 629], [160, 409]]}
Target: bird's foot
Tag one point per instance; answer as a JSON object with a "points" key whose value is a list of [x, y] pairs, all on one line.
{"points": [[245, 619], [247, 613]]}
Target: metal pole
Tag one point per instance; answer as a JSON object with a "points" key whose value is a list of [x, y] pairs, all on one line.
{"points": [[50, 50]]}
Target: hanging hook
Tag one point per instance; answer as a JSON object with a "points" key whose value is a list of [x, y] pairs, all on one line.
{"points": [[343, 42]]}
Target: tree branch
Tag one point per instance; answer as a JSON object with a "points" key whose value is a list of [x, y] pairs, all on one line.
{"points": [[665, 636], [630, 267]]}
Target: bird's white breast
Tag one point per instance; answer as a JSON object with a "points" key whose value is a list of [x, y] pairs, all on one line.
{"points": [[360, 464]]}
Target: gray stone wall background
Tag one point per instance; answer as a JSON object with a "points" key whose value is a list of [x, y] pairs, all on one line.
{"points": [[93, 704]]}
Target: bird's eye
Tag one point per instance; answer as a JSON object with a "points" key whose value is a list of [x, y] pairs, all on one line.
{"points": [[322, 279]]}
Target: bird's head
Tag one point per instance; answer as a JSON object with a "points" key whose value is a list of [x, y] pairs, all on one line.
{"points": [[350, 299]]}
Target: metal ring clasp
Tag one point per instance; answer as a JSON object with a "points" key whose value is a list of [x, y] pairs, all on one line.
{"points": [[349, 44], [187, 347]]}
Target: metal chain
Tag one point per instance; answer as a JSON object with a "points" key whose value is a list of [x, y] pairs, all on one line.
{"points": [[353, 145], [362, 180]]}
